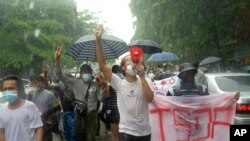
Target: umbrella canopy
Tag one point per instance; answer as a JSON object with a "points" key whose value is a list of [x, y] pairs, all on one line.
{"points": [[164, 56], [209, 60], [84, 49], [147, 46]]}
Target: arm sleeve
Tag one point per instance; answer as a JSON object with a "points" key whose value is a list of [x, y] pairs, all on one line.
{"points": [[35, 118], [63, 78], [115, 81]]}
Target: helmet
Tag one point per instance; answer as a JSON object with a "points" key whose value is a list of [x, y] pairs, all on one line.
{"points": [[186, 67]]}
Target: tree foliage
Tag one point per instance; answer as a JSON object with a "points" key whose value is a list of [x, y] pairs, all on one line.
{"points": [[30, 31], [193, 29]]}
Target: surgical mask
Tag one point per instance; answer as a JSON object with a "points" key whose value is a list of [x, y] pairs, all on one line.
{"points": [[151, 76], [32, 90], [130, 70], [86, 77], [10, 96]]}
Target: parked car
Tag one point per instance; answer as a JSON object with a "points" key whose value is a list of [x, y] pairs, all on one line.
{"points": [[218, 83]]}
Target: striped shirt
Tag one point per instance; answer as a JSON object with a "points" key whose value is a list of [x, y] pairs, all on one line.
{"points": [[112, 99]]}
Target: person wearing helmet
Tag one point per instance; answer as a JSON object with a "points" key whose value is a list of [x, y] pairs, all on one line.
{"points": [[187, 86]]}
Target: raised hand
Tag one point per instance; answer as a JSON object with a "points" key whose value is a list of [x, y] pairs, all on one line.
{"points": [[58, 53], [45, 69], [99, 32]]}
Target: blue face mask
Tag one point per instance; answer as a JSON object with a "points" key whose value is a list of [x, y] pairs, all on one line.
{"points": [[86, 77], [10, 96]]}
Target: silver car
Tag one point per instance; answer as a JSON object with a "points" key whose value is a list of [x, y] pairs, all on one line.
{"points": [[231, 82]]}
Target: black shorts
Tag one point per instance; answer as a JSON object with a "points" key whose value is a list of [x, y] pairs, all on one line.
{"points": [[114, 116]]}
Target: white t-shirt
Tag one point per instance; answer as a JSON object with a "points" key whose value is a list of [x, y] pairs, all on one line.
{"points": [[20, 124], [132, 105]]}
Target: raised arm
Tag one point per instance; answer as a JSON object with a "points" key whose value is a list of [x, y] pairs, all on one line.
{"points": [[100, 56], [57, 68]]}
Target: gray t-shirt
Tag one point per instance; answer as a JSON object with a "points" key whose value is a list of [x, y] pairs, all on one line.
{"points": [[20, 124], [44, 101]]}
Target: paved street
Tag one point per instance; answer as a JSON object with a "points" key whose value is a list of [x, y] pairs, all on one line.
{"points": [[103, 135]]}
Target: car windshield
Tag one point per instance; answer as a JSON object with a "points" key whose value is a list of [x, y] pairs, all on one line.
{"points": [[233, 83]]}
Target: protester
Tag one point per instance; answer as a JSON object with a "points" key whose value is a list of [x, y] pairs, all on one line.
{"points": [[65, 96], [103, 85], [167, 72], [199, 76], [133, 95], [19, 119], [112, 112], [87, 93], [47, 104], [187, 86], [177, 68], [151, 74]]}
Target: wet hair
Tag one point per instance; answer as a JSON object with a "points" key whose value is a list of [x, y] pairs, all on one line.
{"points": [[86, 67], [116, 69], [19, 85], [124, 59], [40, 79], [34, 78]]}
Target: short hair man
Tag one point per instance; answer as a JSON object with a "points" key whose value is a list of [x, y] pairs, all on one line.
{"points": [[19, 119]]}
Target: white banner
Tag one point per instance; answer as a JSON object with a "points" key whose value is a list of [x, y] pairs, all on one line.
{"points": [[161, 87], [204, 118]]}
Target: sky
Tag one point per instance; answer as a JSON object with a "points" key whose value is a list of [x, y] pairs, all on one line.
{"points": [[114, 14]]}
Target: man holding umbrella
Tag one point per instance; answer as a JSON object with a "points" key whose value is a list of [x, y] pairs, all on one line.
{"points": [[86, 93], [133, 95]]}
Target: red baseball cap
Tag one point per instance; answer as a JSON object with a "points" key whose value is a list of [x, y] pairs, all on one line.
{"points": [[136, 54]]}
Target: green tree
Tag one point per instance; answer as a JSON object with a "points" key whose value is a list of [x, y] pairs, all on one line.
{"points": [[32, 29], [191, 28]]}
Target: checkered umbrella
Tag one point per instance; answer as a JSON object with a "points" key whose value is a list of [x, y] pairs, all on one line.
{"points": [[84, 49], [147, 46]]}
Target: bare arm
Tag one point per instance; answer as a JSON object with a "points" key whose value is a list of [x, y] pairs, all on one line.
{"points": [[100, 56], [39, 134], [2, 135], [58, 71]]}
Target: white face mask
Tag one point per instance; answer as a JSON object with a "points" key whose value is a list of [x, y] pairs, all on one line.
{"points": [[161, 70], [130, 70], [32, 90], [151, 76]]}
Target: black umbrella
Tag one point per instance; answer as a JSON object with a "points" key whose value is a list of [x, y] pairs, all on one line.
{"points": [[84, 49], [147, 46]]}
